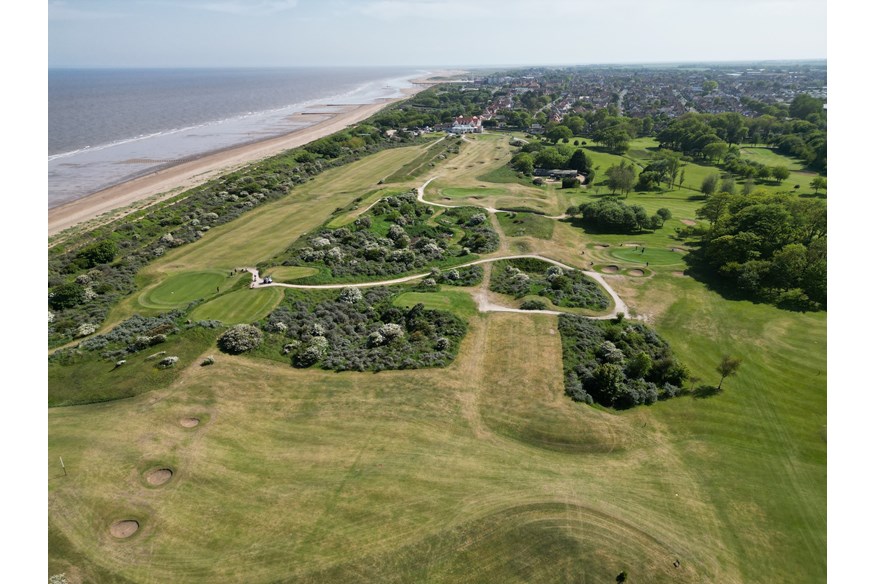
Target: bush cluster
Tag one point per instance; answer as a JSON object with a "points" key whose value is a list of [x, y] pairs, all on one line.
{"points": [[467, 276], [617, 364], [368, 335], [240, 338], [521, 277], [394, 237], [613, 216]]}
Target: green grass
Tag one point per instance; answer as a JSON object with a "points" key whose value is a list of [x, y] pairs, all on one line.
{"points": [[416, 167], [240, 306], [652, 256], [455, 301], [461, 193], [359, 207], [290, 273], [181, 289], [482, 471], [526, 224], [93, 379]]}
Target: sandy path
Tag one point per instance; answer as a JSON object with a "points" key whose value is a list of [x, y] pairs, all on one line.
{"points": [[171, 181], [484, 305]]}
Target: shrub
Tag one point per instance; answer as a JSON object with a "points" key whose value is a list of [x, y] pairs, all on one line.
{"points": [[350, 295], [168, 362], [240, 338], [533, 305], [208, 361]]}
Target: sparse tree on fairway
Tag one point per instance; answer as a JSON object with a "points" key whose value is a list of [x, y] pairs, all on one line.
{"points": [[621, 178], [818, 183], [727, 367], [710, 184], [780, 173], [728, 185]]}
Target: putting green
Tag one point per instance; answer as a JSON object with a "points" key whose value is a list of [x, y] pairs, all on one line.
{"points": [[654, 256], [289, 273], [180, 289], [240, 306]]}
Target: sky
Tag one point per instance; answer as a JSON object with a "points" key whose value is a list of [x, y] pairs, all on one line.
{"points": [[427, 33]]}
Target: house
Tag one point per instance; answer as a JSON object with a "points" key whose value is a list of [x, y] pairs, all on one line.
{"points": [[464, 125]]}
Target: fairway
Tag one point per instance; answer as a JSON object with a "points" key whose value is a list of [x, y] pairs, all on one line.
{"points": [[241, 306], [180, 289], [652, 256], [290, 273], [457, 302]]}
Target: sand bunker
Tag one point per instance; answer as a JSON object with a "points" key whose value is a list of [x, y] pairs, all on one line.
{"points": [[602, 246], [689, 222], [159, 476], [189, 422], [636, 272], [124, 528], [610, 269], [679, 274]]}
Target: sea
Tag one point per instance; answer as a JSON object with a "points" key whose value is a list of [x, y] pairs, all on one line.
{"points": [[107, 126]]}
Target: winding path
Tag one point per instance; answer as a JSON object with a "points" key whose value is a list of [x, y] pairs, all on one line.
{"points": [[484, 304], [420, 197]]}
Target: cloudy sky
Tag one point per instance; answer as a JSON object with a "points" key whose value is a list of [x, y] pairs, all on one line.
{"points": [[215, 33]]}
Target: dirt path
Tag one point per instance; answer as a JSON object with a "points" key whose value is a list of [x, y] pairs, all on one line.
{"points": [[484, 304]]}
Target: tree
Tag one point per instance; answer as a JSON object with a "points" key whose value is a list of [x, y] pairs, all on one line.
{"points": [[709, 86], [523, 162], [728, 185], [579, 162], [818, 183], [716, 151], [559, 133], [780, 173], [710, 184], [102, 252], [621, 177], [728, 367], [672, 164], [66, 295]]}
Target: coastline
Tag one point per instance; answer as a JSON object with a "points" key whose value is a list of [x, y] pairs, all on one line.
{"points": [[118, 200]]}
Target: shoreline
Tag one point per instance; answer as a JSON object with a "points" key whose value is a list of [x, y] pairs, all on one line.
{"points": [[116, 201]]}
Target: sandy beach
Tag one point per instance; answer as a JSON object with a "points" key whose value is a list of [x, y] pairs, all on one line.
{"points": [[173, 180]]}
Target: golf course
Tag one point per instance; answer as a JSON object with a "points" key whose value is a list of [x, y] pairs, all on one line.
{"points": [[226, 467]]}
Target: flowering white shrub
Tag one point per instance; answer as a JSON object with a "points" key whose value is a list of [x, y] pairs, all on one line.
{"points": [[85, 329], [240, 338], [391, 331], [350, 295]]}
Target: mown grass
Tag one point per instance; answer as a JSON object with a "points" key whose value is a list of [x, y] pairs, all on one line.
{"points": [[649, 255], [181, 289], [431, 155], [240, 306], [289, 273], [455, 301], [526, 225], [482, 472]]}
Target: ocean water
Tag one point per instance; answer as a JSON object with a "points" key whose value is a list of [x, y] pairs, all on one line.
{"points": [[107, 126]]}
